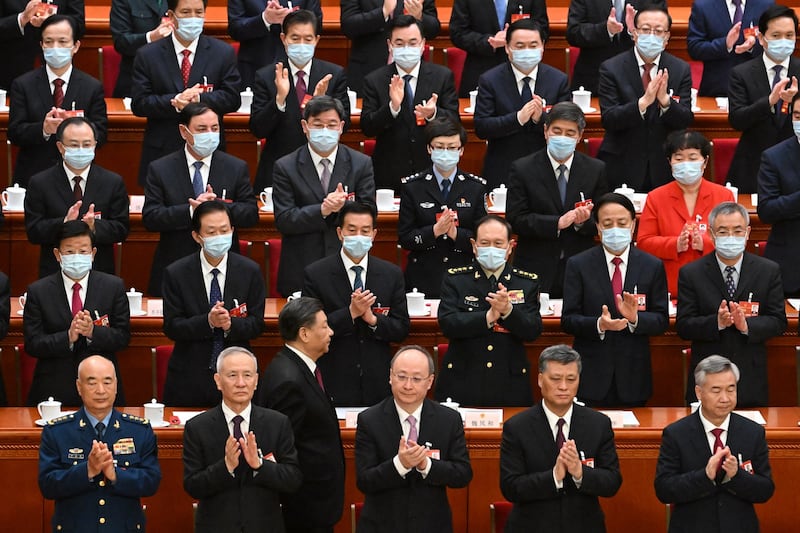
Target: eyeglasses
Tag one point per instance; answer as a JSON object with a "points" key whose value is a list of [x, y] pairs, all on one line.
{"points": [[727, 233], [402, 378], [658, 32]]}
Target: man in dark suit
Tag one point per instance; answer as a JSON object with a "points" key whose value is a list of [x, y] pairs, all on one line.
{"points": [[480, 29], [645, 94], [133, 24], [759, 94], [97, 463], [76, 190], [364, 299], [20, 32], [177, 71], [558, 458], [549, 199], [179, 182], [366, 23], [257, 25], [511, 99], [311, 185], [41, 99], [601, 31], [714, 464], [406, 484], [717, 38], [400, 99], [613, 317], [279, 94], [212, 300], [294, 385], [72, 314], [488, 310], [239, 458], [438, 210], [750, 309]]}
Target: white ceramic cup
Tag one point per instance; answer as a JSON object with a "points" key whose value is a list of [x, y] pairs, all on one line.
{"points": [[734, 190], [247, 99], [14, 197], [695, 406], [582, 98], [416, 302], [351, 95], [473, 98], [754, 199], [266, 198], [3, 94], [694, 98], [134, 301], [544, 301], [385, 199], [49, 408], [126, 102], [23, 299], [498, 197], [154, 411]]}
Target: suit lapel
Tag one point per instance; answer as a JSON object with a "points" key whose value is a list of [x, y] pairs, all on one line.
{"points": [[393, 426], [341, 280], [63, 306], [217, 177], [599, 259], [549, 181], [747, 279], [43, 88], [62, 188], [715, 275], [309, 173], [171, 63], [198, 284], [182, 186], [427, 425], [541, 426], [698, 439], [341, 169], [201, 58], [73, 90], [309, 378], [154, 7]]}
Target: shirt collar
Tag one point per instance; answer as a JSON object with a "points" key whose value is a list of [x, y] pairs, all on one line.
{"points": [[723, 266], [84, 174], [769, 63], [190, 159], [93, 421], [623, 255], [414, 71], [69, 282], [552, 418], [310, 363], [641, 62], [207, 267], [229, 413], [519, 75], [51, 76], [316, 158], [708, 426], [179, 48], [402, 414], [567, 163], [349, 263], [305, 68], [439, 177]]}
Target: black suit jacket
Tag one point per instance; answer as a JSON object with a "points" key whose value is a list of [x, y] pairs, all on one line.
{"points": [[305, 235], [31, 99], [189, 376], [701, 288], [247, 502], [411, 503], [282, 129], [633, 148], [703, 505], [20, 50], [46, 324], [749, 112], [527, 456], [356, 366], [48, 199], [157, 79], [288, 386], [129, 22], [534, 207], [5, 316], [496, 121], [472, 22], [363, 23], [166, 205], [401, 147], [622, 358]]}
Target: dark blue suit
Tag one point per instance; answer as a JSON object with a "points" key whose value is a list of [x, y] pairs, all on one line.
{"points": [[496, 121], [82, 502]]}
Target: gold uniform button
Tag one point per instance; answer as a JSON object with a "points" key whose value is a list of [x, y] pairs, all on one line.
{"points": [[489, 364], [127, 463], [74, 462], [102, 483], [449, 365], [102, 520], [58, 527], [524, 370], [102, 502], [490, 347]]}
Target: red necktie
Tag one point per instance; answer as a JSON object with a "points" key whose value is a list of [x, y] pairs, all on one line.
{"points": [[58, 92], [300, 88], [318, 375], [186, 67], [77, 193], [646, 75], [717, 432], [560, 440], [77, 304], [616, 278]]}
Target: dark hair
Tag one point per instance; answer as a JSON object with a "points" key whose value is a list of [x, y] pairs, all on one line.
{"points": [[320, 104], [445, 127], [560, 353], [358, 208], [210, 206], [75, 228], [613, 198], [525, 24], [296, 18], [192, 110], [173, 4], [57, 18], [489, 218], [775, 11], [405, 21], [74, 121], [298, 313], [652, 7], [687, 139], [568, 111]]}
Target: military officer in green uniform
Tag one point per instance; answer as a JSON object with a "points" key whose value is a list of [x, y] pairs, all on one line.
{"points": [[488, 310]]}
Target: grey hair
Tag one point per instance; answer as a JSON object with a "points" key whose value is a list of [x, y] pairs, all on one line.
{"points": [[232, 350], [559, 353], [416, 348], [728, 208], [714, 364]]}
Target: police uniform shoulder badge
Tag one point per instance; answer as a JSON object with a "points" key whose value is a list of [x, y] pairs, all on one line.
{"points": [[473, 177], [412, 177], [461, 270], [524, 274]]}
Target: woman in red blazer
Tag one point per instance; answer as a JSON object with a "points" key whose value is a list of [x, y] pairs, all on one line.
{"points": [[674, 222]]}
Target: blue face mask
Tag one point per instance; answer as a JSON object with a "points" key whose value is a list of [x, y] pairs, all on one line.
{"points": [[780, 49], [300, 54], [356, 246], [205, 143], [730, 247], [445, 160], [561, 146], [491, 258], [323, 140], [616, 239], [57, 57], [649, 46], [796, 128], [217, 245], [79, 158], [687, 172], [76, 266], [526, 59], [190, 28], [406, 57]]}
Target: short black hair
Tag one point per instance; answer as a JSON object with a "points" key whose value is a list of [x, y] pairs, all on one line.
{"points": [[687, 139], [525, 24], [489, 218], [57, 18], [358, 208], [74, 121], [192, 110], [775, 11], [320, 104], [173, 4], [298, 313], [210, 206], [75, 228], [652, 7], [445, 127], [613, 198], [405, 21], [568, 111], [301, 16]]}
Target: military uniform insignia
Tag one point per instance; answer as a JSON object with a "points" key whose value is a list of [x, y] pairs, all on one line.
{"points": [[82, 423], [75, 453], [523, 274], [116, 424], [461, 177], [471, 301], [429, 177], [516, 296], [134, 418], [461, 270], [427, 205], [124, 446]]}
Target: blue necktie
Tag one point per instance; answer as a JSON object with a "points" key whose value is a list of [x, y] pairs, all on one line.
{"points": [[775, 80], [526, 93], [99, 430], [445, 188], [729, 284], [197, 179], [215, 295], [408, 95], [562, 183], [500, 6], [737, 12], [358, 283]]}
